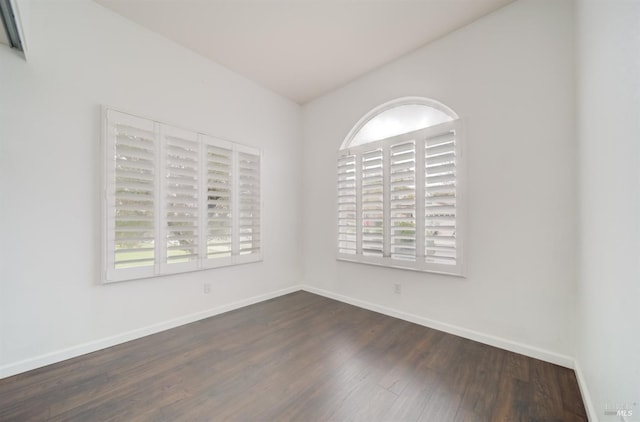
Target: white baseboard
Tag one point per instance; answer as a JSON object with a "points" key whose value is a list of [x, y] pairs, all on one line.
{"points": [[491, 340], [584, 391], [92, 346]]}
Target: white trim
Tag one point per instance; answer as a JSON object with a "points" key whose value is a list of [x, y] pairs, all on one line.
{"points": [[502, 343], [93, 346], [584, 391], [174, 124], [105, 245], [400, 264]]}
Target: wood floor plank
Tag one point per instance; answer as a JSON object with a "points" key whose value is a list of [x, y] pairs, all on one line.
{"points": [[517, 366], [443, 405], [296, 357], [547, 396], [406, 369], [414, 398], [481, 389], [513, 400]]}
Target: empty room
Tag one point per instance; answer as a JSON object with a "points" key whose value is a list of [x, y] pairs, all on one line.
{"points": [[310, 210]]}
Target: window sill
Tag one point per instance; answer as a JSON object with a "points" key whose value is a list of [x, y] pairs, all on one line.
{"points": [[403, 265]]}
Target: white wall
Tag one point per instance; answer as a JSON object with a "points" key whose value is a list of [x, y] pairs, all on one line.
{"points": [[510, 76], [83, 56], [608, 344]]}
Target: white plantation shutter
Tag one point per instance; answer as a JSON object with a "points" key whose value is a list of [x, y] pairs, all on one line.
{"points": [[440, 196], [132, 199], [372, 203], [403, 200], [176, 200], [399, 201], [347, 211], [181, 199], [249, 203], [219, 201]]}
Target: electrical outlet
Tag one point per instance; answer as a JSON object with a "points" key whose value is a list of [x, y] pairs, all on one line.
{"points": [[397, 288], [207, 288]]}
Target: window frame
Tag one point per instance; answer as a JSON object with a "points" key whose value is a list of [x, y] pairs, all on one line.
{"points": [[419, 264], [160, 267], [428, 102]]}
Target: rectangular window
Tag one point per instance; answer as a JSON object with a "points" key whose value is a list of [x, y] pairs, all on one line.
{"points": [[177, 200], [400, 201]]}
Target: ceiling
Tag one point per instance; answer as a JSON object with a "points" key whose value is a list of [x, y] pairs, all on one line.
{"points": [[302, 49]]}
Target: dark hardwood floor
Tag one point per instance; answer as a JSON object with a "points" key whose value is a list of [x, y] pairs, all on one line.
{"points": [[299, 357]]}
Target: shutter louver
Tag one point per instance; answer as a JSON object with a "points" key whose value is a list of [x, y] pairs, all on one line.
{"points": [[403, 201], [372, 203], [132, 200], [219, 163], [181, 190], [347, 204], [249, 241], [440, 198]]}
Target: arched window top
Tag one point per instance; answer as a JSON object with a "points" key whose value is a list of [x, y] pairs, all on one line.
{"points": [[397, 117]]}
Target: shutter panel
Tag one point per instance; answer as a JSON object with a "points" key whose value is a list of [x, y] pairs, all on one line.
{"points": [[372, 203], [440, 197], [347, 204], [402, 183], [132, 196], [219, 201], [181, 196], [249, 201], [176, 200]]}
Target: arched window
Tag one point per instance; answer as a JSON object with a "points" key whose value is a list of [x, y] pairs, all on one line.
{"points": [[400, 188]]}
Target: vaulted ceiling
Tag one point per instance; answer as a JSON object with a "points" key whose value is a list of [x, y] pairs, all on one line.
{"points": [[302, 49]]}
